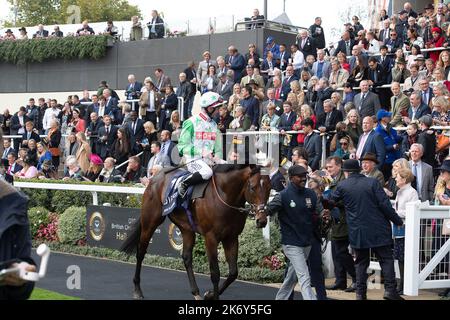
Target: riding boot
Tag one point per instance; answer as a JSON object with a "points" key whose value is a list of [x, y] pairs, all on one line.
{"points": [[401, 268], [192, 179]]}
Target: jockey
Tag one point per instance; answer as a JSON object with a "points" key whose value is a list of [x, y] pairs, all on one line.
{"points": [[200, 142]]}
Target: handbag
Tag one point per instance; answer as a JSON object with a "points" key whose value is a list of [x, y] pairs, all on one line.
{"points": [[55, 152], [443, 142], [446, 227]]}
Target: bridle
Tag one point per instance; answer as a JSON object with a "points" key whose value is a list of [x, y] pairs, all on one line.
{"points": [[254, 209]]}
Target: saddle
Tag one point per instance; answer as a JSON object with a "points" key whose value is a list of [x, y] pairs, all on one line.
{"points": [[171, 199]]}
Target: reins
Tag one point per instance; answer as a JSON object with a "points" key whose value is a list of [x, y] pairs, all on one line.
{"points": [[242, 210]]}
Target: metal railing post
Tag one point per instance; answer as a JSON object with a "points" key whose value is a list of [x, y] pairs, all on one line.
{"points": [[412, 241], [324, 149], [94, 198], [181, 108]]}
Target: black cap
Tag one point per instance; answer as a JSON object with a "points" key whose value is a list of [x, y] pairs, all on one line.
{"points": [[351, 165], [297, 170], [402, 12], [445, 166]]}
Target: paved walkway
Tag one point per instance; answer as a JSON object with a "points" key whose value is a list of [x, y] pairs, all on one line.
{"points": [[103, 279]]}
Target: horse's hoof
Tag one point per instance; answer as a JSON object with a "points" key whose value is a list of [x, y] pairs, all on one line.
{"points": [[197, 297], [138, 296], [209, 295]]}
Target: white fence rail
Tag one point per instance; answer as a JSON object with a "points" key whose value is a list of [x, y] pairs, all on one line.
{"points": [[415, 277], [93, 189]]}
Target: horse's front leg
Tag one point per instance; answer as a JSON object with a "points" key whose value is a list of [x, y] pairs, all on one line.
{"points": [[188, 245], [211, 250], [230, 247]]}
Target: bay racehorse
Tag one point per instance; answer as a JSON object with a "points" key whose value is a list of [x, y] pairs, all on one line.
{"points": [[219, 216]]}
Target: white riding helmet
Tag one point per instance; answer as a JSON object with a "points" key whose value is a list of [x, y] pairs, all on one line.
{"points": [[211, 99]]}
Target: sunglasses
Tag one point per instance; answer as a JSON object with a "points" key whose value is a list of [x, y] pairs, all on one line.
{"points": [[344, 143]]}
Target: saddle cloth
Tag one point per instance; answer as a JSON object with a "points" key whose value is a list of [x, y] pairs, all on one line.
{"points": [[171, 199]]}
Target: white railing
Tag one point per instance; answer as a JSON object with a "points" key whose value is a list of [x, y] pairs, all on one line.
{"points": [[93, 189], [415, 278]]}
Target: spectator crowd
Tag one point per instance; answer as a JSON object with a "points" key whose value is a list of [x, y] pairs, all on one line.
{"points": [[377, 97]]}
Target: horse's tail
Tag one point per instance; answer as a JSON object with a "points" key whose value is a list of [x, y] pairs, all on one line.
{"points": [[132, 241]]}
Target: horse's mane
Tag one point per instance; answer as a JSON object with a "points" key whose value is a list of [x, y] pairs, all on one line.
{"points": [[225, 168]]}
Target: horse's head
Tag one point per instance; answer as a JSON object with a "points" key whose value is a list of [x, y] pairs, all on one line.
{"points": [[257, 194]]}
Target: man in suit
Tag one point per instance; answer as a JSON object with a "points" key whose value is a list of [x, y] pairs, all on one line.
{"points": [[150, 103], [386, 62], [321, 68], [18, 121], [7, 149], [412, 82], [278, 103], [191, 77], [399, 105], [30, 133], [255, 21], [427, 138], [107, 135], [135, 130], [385, 33], [394, 42], [236, 62], [162, 81], [369, 214], [251, 76], [423, 173], [158, 158], [324, 92], [284, 57], [169, 148], [286, 86], [203, 66], [338, 76], [41, 33], [57, 33], [306, 44], [370, 141], [225, 86], [13, 167], [111, 103], [426, 91], [367, 103], [155, 26], [417, 108], [133, 89], [312, 145], [330, 117], [345, 45], [287, 120]]}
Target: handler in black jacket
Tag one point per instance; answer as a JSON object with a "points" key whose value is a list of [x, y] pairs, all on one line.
{"points": [[297, 208], [369, 213], [15, 242]]}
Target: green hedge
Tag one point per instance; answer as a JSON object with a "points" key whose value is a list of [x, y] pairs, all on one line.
{"points": [[72, 225], [37, 216], [67, 48]]}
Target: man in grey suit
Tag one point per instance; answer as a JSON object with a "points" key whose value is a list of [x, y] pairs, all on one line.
{"points": [[399, 104], [423, 173], [321, 68], [225, 86], [367, 103], [203, 66], [158, 157]]}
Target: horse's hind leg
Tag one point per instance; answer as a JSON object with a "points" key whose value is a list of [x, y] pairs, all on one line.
{"points": [[231, 254], [148, 227], [211, 250], [188, 245]]}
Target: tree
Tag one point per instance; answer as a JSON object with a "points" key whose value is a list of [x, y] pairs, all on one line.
{"points": [[99, 10], [34, 12]]}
